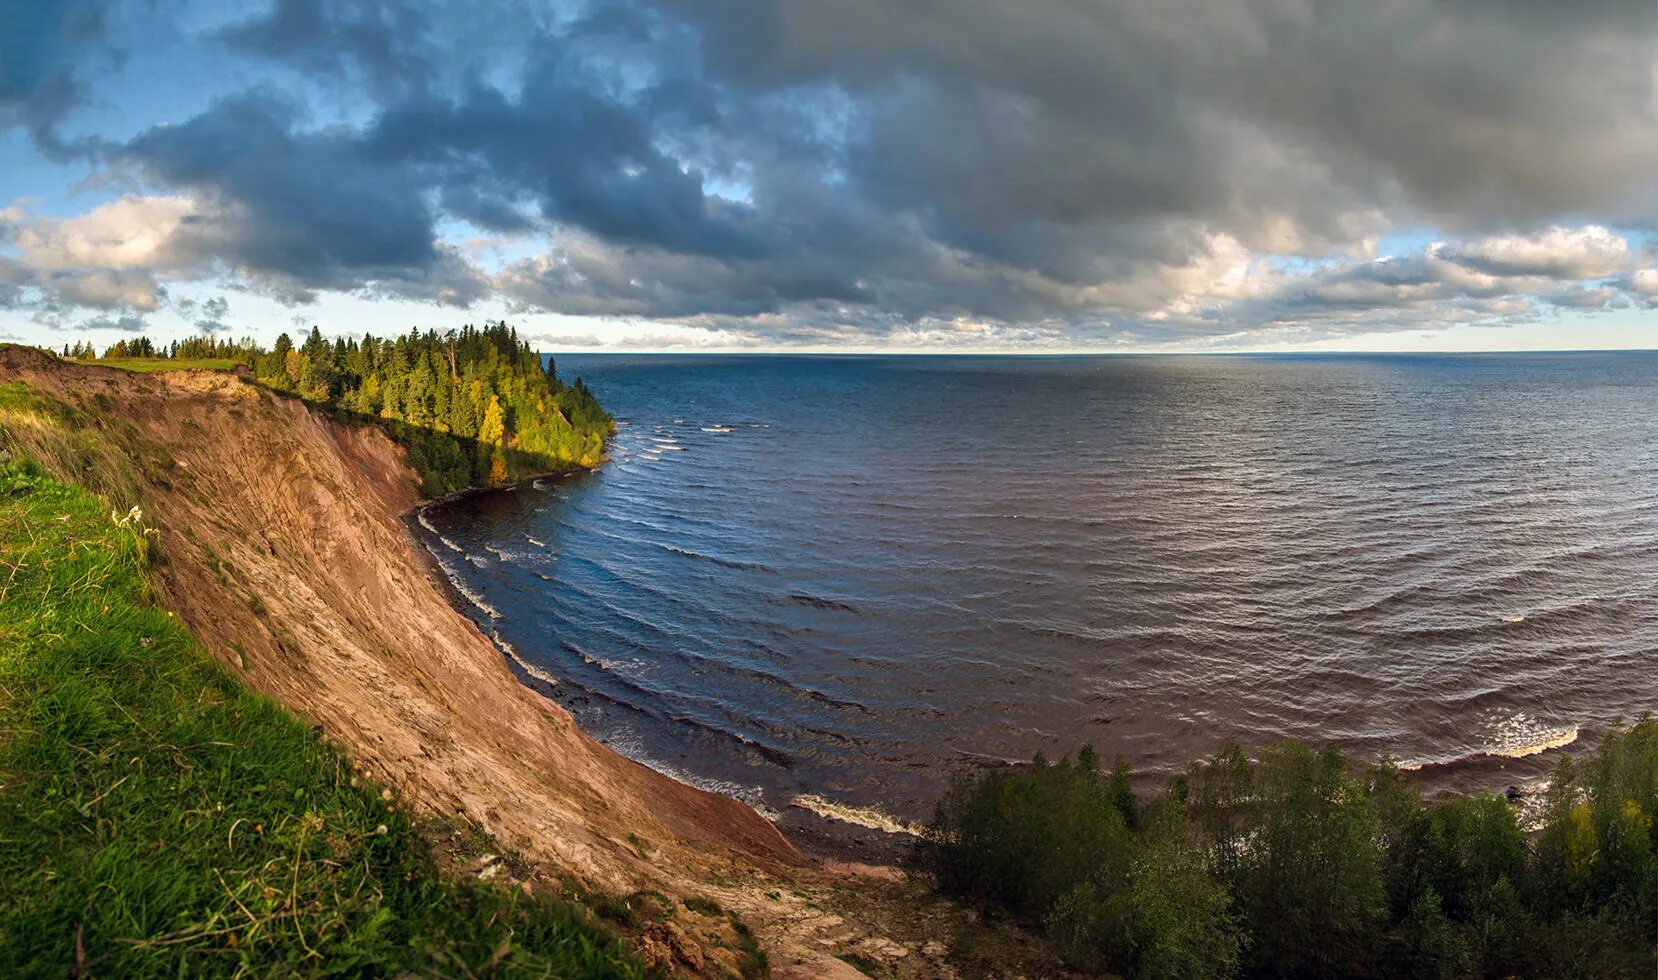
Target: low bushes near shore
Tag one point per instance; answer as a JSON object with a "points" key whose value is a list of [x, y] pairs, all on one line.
{"points": [[1298, 863], [158, 819]]}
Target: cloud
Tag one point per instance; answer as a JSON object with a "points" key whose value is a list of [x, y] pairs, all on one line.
{"points": [[1559, 253], [867, 171], [207, 316], [129, 233], [45, 51]]}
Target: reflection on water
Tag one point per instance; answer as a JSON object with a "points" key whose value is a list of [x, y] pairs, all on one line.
{"points": [[840, 577]]}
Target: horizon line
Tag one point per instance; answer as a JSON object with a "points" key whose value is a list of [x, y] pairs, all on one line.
{"points": [[830, 352]]}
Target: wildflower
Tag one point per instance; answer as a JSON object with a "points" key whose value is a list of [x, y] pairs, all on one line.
{"points": [[381, 830]]}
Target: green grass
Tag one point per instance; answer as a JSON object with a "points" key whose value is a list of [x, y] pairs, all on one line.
{"points": [[158, 819], [155, 365]]}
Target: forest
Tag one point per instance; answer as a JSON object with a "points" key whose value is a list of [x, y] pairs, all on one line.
{"points": [[473, 407], [1297, 863]]}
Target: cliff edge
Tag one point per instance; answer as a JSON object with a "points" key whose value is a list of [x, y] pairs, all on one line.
{"points": [[284, 549], [285, 552]]}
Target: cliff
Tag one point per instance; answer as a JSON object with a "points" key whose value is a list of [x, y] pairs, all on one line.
{"points": [[285, 550], [286, 554]]}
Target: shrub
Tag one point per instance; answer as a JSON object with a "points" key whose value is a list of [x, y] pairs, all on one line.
{"points": [[1295, 864]]}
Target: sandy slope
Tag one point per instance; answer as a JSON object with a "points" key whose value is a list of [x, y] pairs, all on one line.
{"points": [[285, 551]]}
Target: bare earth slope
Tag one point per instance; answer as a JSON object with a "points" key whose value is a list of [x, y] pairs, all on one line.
{"points": [[285, 551]]}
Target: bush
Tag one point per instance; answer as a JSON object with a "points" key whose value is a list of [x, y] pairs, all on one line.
{"points": [[1296, 864], [1055, 842]]}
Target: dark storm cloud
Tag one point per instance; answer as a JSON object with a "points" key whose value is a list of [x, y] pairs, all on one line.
{"points": [[381, 44], [304, 201], [300, 210], [864, 167], [44, 48]]}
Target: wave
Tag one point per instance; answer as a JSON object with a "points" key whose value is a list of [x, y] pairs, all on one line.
{"points": [[467, 593], [524, 665], [1513, 744], [860, 816], [497, 552], [819, 602], [538, 544], [717, 560], [632, 747], [420, 515], [716, 428]]}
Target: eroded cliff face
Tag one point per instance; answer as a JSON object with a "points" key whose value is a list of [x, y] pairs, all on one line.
{"points": [[284, 549], [285, 552]]}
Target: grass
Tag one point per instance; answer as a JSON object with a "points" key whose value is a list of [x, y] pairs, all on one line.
{"points": [[155, 365], [158, 819]]}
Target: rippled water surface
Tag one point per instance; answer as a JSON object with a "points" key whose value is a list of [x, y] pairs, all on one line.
{"points": [[845, 576]]}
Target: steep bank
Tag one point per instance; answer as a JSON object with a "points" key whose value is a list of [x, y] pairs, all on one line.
{"points": [[286, 555], [161, 820], [284, 551]]}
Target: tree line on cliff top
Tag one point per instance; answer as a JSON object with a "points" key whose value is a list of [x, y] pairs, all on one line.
{"points": [[473, 407], [1299, 864]]}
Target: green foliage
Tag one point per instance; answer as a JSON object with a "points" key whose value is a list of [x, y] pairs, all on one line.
{"points": [[473, 408], [1296, 864], [139, 350], [1052, 842], [1309, 880], [157, 819]]}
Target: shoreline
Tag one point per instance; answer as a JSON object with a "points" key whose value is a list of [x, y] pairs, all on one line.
{"points": [[820, 836], [817, 831]]}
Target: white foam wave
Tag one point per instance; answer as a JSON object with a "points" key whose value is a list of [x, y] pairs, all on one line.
{"points": [[861, 816], [420, 515], [526, 666], [461, 587], [630, 746], [538, 544], [716, 428], [1514, 737]]}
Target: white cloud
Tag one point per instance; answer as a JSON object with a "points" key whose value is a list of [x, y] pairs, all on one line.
{"points": [[1590, 252], [130, 233]]}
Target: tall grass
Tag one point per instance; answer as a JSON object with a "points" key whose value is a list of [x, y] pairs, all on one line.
{"points": [[157, 819]]}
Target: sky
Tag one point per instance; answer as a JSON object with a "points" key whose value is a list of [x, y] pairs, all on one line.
{"points": [[881, 175]]}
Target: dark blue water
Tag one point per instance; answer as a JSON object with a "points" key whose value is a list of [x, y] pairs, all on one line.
{"points": [[842, 577]]}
